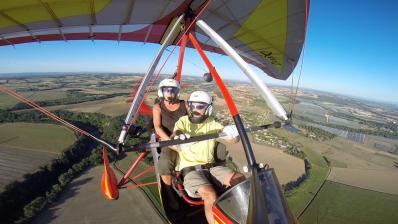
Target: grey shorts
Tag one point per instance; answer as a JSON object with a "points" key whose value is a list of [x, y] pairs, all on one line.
{"points": [[196, 179]]}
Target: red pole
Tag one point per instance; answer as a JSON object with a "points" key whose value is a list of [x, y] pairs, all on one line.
{"points": [[181, 56], [214, 73], [132, 168]]}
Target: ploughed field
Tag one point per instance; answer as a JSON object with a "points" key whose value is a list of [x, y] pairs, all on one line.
{"points": [[15, 162], [24, 147]]}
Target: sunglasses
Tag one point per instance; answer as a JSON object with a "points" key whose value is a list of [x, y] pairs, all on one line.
{"points": [[198, 106], [169, 89]]}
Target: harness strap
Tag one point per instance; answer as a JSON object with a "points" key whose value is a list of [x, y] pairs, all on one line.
{"points": [[203, 167]]}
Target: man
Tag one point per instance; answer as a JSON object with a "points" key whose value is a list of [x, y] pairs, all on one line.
{"points": [[196, 160], [165, 114]]}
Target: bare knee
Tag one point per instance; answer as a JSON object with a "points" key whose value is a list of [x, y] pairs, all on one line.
{"points": [[166, 179], [207, 193], [234, 179]]}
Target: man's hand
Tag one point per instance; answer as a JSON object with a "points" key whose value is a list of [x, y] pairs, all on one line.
{"points": [[182, 136], [231, 132]]}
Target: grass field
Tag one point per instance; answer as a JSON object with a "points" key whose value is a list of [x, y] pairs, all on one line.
{"points": [[299, 198], [339, 203], [36, 137], [36, 96], [7, 101], [151, 191]]}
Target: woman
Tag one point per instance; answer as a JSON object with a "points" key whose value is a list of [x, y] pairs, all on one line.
{"points": [[165, 114]]}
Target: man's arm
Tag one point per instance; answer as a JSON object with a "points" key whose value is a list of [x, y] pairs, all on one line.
{"points": [[157, 123]]}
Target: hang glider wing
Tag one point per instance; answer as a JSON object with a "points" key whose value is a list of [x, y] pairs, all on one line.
{"points": [[267, 33]]}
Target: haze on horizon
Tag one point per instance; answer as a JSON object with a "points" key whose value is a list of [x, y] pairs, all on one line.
{"points": [[341, 55]]}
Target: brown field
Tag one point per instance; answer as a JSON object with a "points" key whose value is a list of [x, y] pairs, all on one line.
{"points": [[24, 147], [359, 165], [15, 162], [83, 202], [112, 107], [385, 181], [288, 168]]}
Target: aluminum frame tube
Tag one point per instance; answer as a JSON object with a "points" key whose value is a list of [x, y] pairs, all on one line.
{"points": [[147, 78]]}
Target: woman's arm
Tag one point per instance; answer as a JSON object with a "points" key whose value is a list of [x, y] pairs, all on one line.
{"points": [[157, 123]]}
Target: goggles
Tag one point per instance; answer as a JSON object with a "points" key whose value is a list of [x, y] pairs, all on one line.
{"points": [[198, 106], [167, 89]]}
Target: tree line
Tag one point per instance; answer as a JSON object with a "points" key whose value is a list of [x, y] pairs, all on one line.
{"points": [[72, 98], [317, 133]]}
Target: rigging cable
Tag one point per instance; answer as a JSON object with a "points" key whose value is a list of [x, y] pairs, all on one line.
{"points": [[294, 96], [51, 115], [155, 78]]}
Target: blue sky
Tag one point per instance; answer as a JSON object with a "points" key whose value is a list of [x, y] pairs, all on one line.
{"points": [[351, 49]]}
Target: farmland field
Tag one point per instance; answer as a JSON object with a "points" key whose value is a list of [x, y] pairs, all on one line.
{"points": [[339, 203], [24, 147], [335, 163], [15, 162], [36, 137], [382, 180], [287, 168], [8, 102], [131, 207]]}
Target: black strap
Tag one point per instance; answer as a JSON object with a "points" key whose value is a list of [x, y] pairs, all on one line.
{"points": [[202, 167]]}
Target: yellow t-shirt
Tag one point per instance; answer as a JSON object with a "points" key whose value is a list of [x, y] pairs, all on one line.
{"points": [[201, 152]]}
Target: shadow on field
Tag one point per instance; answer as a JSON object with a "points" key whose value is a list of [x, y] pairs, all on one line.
{"points": [[396, 164], [70, 191]]}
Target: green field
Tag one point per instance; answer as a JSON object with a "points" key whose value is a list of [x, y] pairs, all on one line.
{"points": [[7, 101], [339, 203], [299, 198], [151, 191], [36, 137]]}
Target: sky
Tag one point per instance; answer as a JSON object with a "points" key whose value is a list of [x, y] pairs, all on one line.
{"points": [[351, 49]]}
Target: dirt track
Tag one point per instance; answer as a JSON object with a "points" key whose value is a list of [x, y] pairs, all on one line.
{"points": [[82, 202]]}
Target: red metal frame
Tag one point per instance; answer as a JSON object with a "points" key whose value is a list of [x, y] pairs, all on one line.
{"points": [[183, 44], [186, 198], [214, 73], [132, 169], [231, 105]]}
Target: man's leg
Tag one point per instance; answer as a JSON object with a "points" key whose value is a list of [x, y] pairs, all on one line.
{"points": [[197, 184], [226, 175], [209, 196], [234, 179]]}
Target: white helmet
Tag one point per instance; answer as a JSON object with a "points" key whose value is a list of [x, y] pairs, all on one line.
{"points": [[202, 97], [168, 83]]}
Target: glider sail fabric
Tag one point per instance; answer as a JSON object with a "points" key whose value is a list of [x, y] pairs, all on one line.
{"points": [[267, 33]]}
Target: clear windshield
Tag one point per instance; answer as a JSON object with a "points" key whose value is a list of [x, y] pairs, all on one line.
{"points": [[234, 203]]}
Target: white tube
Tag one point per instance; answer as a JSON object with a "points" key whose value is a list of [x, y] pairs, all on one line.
{"points": [[147, 78], [272, 102]]}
